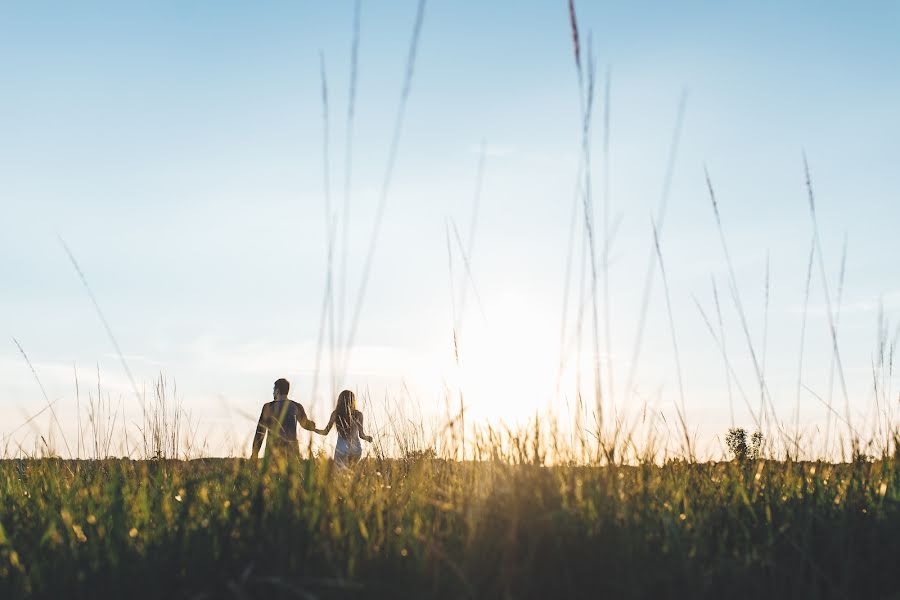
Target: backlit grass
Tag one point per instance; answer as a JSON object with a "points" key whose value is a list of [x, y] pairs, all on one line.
{"points": [[430, 527]]}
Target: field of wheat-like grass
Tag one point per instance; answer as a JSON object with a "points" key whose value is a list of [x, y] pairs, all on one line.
{"points": [[426, 527]]}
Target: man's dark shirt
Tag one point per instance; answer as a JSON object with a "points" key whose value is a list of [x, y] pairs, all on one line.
{"points": [[279, 418]]}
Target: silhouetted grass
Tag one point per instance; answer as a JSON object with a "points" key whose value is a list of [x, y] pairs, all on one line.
{"points": [[428, 527]]}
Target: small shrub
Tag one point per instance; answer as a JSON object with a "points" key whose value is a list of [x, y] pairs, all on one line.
{"points": [[736, 440]]}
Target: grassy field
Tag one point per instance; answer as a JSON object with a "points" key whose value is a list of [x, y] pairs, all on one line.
{"points": [[510, 524], [427, 527]]}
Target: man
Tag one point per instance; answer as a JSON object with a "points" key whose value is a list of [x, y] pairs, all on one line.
{"points": [[279, 418]]}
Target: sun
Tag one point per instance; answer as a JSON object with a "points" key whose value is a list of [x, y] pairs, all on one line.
{"points": [[508, 358]]}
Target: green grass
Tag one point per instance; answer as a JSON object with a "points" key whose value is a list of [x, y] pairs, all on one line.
{"points": [[429, 527]]}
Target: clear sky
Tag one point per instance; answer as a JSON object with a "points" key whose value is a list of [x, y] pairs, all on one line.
{"points": [[177, 148]]}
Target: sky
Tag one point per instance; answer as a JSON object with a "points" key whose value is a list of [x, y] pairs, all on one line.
{"points": [[178, 151]]}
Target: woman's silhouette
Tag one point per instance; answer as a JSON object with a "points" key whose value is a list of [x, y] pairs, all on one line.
{"points": [[349, 422]]}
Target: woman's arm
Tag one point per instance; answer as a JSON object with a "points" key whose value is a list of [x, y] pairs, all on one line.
{"points": [[362, 433], [327, 427]]}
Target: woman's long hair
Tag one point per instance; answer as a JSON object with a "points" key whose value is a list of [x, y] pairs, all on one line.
{"points": [[346, 406]]}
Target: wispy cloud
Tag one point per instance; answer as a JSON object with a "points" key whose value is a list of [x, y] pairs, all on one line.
{"points": [[135, 358], [889, 301], [264, 357], [494, 150]]}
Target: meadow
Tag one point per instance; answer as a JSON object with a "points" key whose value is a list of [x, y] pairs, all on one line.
{"points": [[505, 526], [515, 514]]}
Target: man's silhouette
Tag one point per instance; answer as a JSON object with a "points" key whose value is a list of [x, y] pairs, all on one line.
{"points": [[279, 418]]}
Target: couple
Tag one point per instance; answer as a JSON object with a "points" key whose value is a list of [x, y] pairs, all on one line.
{"points": [[280, 418]]}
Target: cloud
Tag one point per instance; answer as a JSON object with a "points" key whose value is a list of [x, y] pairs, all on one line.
{"points": [[868, 304], [265, 357], [135, 358], [494, 150]]}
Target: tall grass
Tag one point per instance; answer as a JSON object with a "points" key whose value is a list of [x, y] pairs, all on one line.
{"points": [[505, 526]]}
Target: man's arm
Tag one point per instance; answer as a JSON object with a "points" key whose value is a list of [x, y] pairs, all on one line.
{"points": [[304, 421], [260, 434]]}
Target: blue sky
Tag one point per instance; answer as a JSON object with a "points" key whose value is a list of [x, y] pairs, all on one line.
{"points": [[177, 148]]}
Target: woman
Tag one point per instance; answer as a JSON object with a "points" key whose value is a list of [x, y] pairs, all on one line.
{"points": [[349, 423]]}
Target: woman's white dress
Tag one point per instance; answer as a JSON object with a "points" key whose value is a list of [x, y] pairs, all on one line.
{"points": [[348, 448]]}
